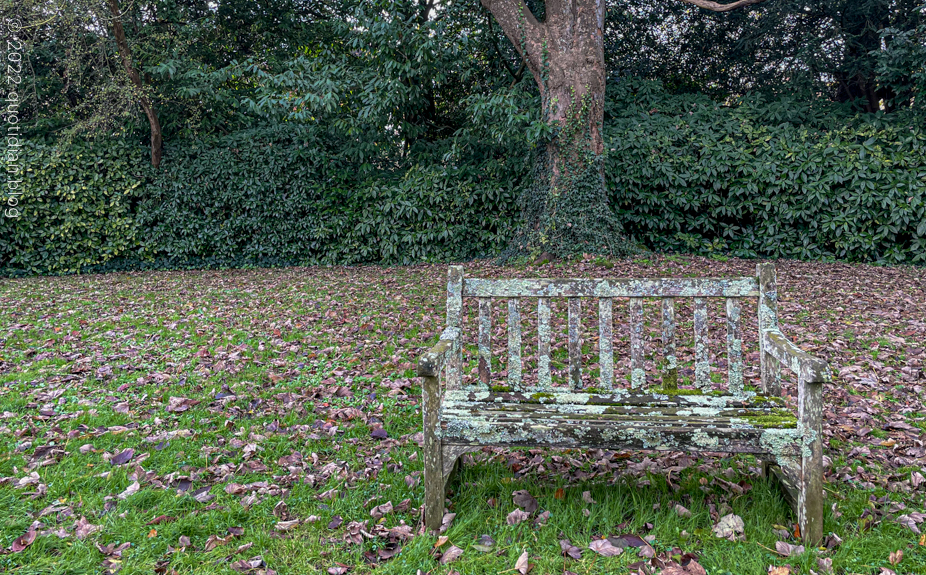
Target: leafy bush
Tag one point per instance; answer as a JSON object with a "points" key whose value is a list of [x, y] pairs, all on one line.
{"points": [[77, 207], [287, 194], [766, 179]]}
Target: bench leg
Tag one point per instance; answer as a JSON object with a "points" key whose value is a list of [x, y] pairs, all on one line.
{"points": [[810, 485], [433, 456]]}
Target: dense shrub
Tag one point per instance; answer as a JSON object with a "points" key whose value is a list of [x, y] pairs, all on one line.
{"points": [[77, 206], [759, 179], [287, 194], [769, 179]]}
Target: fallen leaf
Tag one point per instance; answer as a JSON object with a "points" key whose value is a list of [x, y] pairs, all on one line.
{"points": [[604, 548], [485, 544], [522, 566], [682, 511], [780, 570], [570, 550], [129, 491], [23, 540], [451, 554], [825, 564], [335, 522], [517, 516], [287, 525], [587, 497], [161, 519], [787, 550], [909, 522], [895, 557], [83, 528], [729, 527], [180, 404], [122, 457], [380, 510]]}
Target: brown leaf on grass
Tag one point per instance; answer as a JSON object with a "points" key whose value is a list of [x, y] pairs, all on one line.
{"points": [[522, 565], [180, 404], [895, 557], [604, 548], [682, 511], [287, 525], [446, 521], [729, 527], [570, 550], [910, 521], [517, 516], [23, 541], [161, 519], [587, 497], [83, 528], [525, 500], [380, 511], [787, 550], [450, 555], [122, 457], [335, 522], [779, 570], [214, 541], [825, 564], [339, 569], [129, 491]]}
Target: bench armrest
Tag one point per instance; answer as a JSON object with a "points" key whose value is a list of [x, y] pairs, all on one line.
{"points": [[433, 360], [810, 369]]}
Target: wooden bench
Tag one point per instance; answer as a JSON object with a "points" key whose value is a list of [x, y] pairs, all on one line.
{"points": [[462, 417]]}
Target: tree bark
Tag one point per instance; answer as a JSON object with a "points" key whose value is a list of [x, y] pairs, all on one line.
{"points": [[126, 56]]}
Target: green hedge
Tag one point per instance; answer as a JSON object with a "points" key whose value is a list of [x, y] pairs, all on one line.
{"points": [[286, 193], [759, 179], [766, 179], [77, 207]]}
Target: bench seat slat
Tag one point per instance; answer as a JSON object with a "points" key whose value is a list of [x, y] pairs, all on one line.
{"points": [[524, 428], [620, 287], [643, 398]]}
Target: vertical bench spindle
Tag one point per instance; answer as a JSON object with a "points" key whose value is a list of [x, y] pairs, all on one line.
{"points": [[514, 343], [637, 374], [454, 319], [702, 359], [575, 349], [485, 340], [768, 319], [670, 368], [543, 343], [605, 342], [734, 347]]}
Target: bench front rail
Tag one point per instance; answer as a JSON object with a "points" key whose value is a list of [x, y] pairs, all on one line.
{"points": [[459, 417]]}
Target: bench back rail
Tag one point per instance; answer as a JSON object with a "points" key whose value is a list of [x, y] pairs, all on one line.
{"points": [[517, 292]]}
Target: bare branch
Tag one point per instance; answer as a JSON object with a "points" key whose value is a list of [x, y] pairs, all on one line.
{"points": [[717, 7]]}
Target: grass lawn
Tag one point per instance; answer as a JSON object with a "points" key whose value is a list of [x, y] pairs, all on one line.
{"points": [[267, 421]]}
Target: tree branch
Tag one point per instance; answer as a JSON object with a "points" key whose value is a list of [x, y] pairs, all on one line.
{"points": [[717, 7], [521, 28]]}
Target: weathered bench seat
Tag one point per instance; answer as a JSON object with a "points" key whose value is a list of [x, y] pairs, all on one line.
{"points": [[663, 417]]}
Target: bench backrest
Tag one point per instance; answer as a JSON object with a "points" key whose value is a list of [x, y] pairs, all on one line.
{"points": [[762, 286]]}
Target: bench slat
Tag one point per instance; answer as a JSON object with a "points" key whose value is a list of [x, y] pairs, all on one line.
{"points": [[734, 347], [670, 367], [702, 359], [543, 343], [614, 287], [605, 342], [575, 349], [514, 342], [485, 340], [637, 373]]}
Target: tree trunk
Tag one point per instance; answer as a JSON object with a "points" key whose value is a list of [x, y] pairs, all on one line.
{"points": [[566, 211], [126, 57]]}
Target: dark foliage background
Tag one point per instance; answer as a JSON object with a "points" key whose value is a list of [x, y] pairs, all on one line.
{"points": [[397, 131]]}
